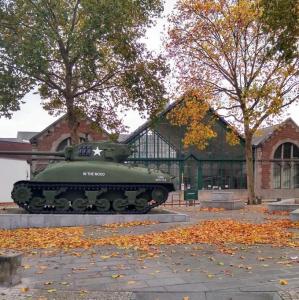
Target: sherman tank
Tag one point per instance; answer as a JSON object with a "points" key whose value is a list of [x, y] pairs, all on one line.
{"points": [[93, 178]]}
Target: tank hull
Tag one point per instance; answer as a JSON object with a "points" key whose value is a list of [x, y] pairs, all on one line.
{"points": [[95, 172], [90, 187]]}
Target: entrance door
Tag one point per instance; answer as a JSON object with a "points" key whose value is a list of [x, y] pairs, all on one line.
{"points": [[190, 174]]}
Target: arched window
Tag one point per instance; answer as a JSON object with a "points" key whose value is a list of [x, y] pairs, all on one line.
{"points": [[286, 166], [66, 142]]}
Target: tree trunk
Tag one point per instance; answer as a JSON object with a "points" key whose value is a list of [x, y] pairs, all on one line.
{"points": [[249, 167], [75, 140], [73, 124]]}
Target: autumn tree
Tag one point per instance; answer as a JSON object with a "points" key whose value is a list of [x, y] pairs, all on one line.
{"points": [[221, 50], [281, 20], [84, 57]]}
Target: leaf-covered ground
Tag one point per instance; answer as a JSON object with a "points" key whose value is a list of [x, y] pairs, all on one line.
{"points": [[246, 249], [221, 233]]}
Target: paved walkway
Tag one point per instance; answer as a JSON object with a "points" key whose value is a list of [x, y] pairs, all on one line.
{"points": [[198, 272]]}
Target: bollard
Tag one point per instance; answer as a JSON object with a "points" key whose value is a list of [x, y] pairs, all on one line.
{"points": [[9, 263]]}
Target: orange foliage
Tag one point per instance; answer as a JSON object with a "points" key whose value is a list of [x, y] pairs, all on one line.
{"points": [[129, 224], [191, 112], [212, 209], [220, 48], [218, 232], [278, 212]]}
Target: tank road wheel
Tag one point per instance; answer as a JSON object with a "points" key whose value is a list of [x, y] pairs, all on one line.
{"points": [[120, 204], [37, 204], [102, 205], [141, 203], [160, 194], [21, 194], [61, 204], [79, 205]]}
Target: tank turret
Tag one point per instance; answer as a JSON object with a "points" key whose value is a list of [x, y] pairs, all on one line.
{"points": [[92, 179], [103, 151]]}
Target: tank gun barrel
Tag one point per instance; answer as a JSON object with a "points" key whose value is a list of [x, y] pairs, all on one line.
{"points": [[28, 153]]}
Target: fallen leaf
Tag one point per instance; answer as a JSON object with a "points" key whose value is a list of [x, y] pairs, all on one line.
{"points": [[131, 282], [48, 282], [51, 290], [213, 232], [283, 282], [26, 267], [185, 298], [116, 276], [24, 289], [79, 269]]}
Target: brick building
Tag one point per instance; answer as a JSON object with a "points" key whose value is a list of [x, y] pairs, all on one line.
{"points": [[220, 165], [159, 145], [53, 138], [56, 137], [276, 151]]}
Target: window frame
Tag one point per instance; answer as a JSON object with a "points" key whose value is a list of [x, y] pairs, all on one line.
{"points": [[285, 170]]}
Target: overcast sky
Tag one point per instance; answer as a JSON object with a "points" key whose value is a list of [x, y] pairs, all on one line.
{"points": [[32, 117]]}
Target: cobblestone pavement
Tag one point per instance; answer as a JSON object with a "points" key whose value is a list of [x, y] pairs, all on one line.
{"points": [[199, 272]]}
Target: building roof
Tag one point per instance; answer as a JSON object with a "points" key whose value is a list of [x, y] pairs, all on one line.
{"points": [[164, 112], [22, 137], [149, 122], [15, 145], [13, 140], [265, 133], [26, 135], [122, 137], [38, 134]]}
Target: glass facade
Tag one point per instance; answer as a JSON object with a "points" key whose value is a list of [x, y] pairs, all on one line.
{"points": [[157, 152], [224, 174], [149, 144]]}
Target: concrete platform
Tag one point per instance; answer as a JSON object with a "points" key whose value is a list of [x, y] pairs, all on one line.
{"points": [[285, 205], [12, 221], [294, 215], [225, 204]]}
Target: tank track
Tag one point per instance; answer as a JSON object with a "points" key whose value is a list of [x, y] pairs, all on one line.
{"points": [[37, 187]]}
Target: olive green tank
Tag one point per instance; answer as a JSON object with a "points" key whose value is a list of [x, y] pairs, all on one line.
{"points": [[92, 178]]}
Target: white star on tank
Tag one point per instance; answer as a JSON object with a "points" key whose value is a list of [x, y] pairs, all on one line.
{"points": [[97, 151]]}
